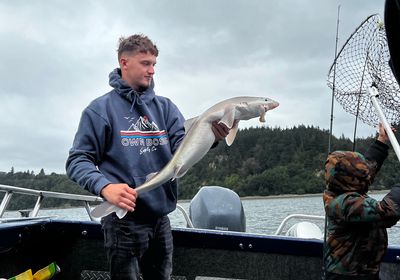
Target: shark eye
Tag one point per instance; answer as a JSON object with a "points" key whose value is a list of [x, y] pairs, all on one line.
{"points": [[266, 99]]}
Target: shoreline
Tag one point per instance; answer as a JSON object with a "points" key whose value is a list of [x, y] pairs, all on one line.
{"points": [[288, 196]]}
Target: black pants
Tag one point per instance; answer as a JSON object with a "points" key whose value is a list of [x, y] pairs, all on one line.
{"points": [[137, 246]]}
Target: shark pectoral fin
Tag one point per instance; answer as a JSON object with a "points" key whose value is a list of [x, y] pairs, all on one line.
{"points": [[106, 208], [229, 117], [262, 117], [232, 134], [189, 123]]}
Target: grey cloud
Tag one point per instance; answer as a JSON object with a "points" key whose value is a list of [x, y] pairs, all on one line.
{"points": [[56, 57]]}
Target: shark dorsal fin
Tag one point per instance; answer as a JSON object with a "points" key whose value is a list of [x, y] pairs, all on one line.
{"points": [[232, 134], [189, 123]]}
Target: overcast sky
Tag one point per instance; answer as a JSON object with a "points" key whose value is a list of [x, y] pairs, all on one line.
{"points": [[56, 56]]}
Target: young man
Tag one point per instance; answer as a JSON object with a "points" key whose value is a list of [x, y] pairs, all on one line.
{"points": [[356, 231], [122, 137]]}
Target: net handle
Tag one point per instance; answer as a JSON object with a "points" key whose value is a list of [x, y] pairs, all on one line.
{"points": [[373, 94]]}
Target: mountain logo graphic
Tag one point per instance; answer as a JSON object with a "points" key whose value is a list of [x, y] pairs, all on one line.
{"points": [[143, 133], [143, 124]]}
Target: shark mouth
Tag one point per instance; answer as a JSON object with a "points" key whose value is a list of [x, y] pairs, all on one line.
{"points": [[271, 105], [267, 107]]}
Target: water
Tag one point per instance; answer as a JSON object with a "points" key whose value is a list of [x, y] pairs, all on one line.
{"points": [[263, 216]]}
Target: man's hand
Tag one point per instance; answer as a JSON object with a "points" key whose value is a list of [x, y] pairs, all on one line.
{"points": [[220, 131], [121, 195], [383, 137]]}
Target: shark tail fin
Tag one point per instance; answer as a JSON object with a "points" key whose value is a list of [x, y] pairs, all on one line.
{"points": [[106, 208]]}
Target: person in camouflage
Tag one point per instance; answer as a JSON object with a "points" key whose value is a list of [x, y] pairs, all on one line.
{"points": [[356, 238]]}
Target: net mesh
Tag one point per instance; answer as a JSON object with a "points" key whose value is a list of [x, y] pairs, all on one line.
{"points": [[363, 62]]}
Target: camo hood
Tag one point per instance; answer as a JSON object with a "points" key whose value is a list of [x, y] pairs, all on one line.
{"points": [[347, 171]]}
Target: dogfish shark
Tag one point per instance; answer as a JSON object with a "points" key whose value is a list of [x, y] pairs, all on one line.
{"points": [[198, 140]]}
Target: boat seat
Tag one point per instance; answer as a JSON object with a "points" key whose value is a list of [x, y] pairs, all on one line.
{"points": [[305, 230]]}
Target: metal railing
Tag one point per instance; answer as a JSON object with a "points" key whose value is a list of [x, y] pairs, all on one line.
{"points": [[189, 223], [41, 195]]}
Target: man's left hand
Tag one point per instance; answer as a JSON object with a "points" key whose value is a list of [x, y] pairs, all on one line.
{"points": [[220, 131]]}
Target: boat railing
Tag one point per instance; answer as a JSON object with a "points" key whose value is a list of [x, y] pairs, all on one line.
{"points": [[41, 195], [285, 221], [87, 199], [189, 223]]}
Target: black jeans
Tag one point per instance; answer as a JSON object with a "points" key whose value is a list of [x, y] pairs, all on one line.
{"points": [[137, 246]]}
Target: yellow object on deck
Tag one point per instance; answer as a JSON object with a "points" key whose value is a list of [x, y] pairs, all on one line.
{"points": [[45, 273], [27, 275]]}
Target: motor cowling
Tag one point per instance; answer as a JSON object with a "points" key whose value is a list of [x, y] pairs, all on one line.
{"points": [[217, 208]]}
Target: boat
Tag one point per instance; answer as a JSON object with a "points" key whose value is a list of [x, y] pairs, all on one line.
{"points": [[33, 241]]}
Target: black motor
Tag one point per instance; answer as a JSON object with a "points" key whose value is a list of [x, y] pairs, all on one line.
{"points": [[217, 208]]}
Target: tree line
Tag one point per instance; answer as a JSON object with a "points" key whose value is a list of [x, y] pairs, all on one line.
{"points": [[272, 161], [262, 161]]}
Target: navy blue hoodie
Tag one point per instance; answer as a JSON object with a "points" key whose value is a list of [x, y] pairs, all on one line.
{"points": [[124, 136]]}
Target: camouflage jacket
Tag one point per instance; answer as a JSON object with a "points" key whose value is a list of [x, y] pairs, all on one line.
{"points": [[356, 228]]}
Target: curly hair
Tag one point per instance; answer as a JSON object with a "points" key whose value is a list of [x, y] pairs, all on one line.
{"points": [[135, 44]]}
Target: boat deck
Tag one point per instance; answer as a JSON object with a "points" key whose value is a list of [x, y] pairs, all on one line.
{"points": [[77, 247]]}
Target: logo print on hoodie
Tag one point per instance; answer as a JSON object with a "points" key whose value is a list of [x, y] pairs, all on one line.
{"points": [[143, 134]]}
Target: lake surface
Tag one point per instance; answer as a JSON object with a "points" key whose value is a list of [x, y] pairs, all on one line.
{"points": [[263, 216]]}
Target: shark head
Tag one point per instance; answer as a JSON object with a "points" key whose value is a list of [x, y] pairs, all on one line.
{"points": [[267, 104], [251, 107]]}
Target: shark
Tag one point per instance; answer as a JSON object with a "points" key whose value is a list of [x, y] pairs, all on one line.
{"points": [[198, 140]]}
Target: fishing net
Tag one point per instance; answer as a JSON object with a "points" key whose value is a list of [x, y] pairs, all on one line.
{"points": [[362, 63]]}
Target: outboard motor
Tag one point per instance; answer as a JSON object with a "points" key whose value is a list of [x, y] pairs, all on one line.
{"points": [[217, 208]]}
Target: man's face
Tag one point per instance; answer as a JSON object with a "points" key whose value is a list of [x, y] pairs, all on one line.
{"points": [[138, 69]]}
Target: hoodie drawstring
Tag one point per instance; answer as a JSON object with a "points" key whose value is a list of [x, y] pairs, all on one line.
{"points": [[134, 97]]}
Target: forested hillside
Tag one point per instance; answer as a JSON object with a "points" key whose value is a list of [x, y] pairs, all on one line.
{"points": [[261, 161], [265, 161]]}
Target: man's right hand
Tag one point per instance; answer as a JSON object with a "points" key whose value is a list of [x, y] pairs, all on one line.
{"points": [[383, 136], [121, 195]]}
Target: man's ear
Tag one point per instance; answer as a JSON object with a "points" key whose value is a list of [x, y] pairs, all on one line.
{"points": [[122, 62]]}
